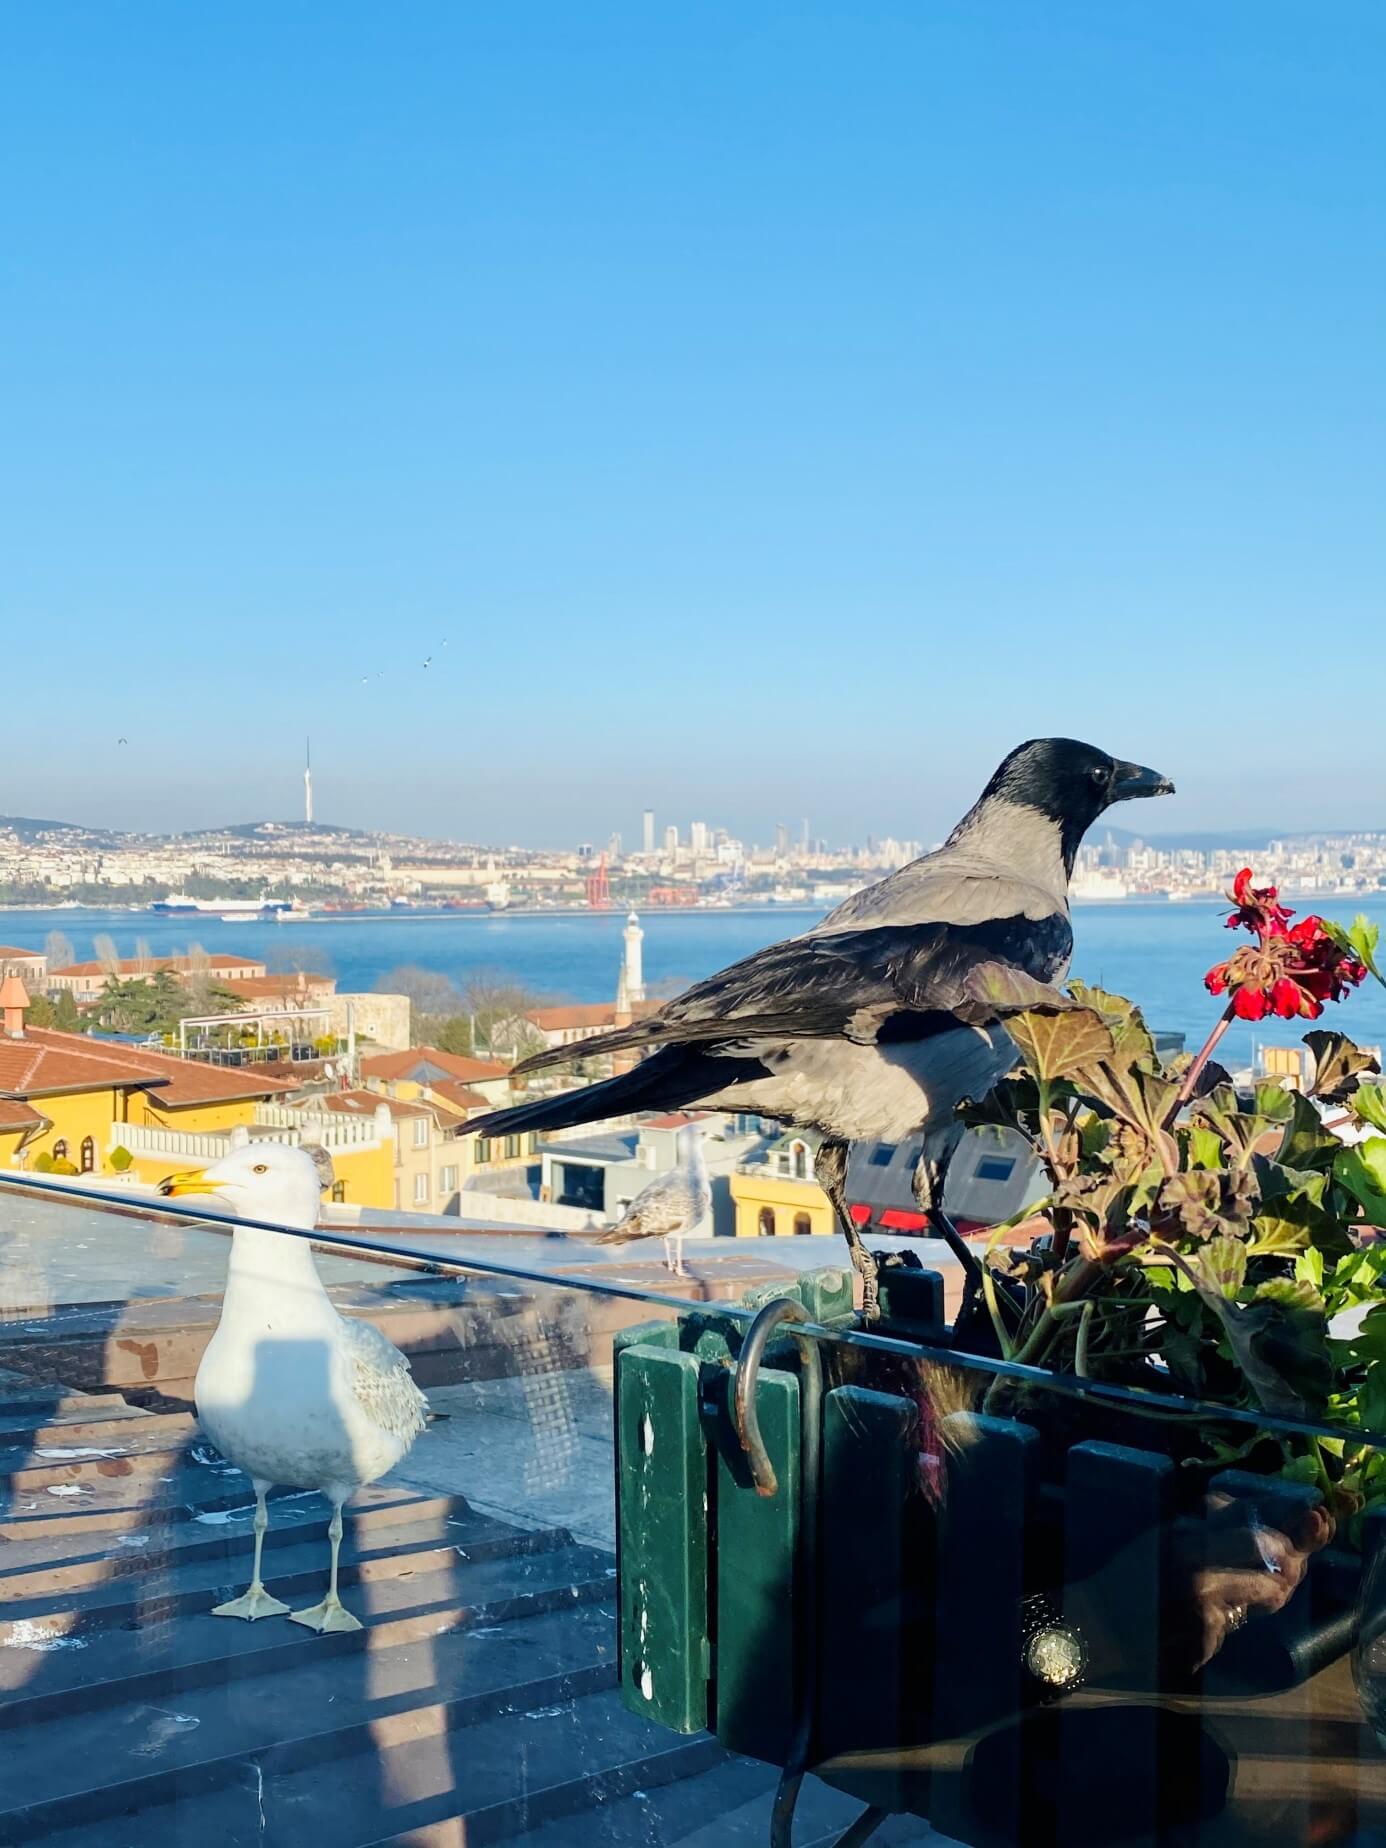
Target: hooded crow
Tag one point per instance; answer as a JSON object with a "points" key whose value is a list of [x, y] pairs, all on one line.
{"points": [[866, 1027]]}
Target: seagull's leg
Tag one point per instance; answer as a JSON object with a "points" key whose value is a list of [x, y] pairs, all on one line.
{"points": [[330, 1614], [679, 1271], [830, 1171], [256, 1602]]}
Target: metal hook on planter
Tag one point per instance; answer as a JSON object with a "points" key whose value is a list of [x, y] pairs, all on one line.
{"points": [[805, 1591]]}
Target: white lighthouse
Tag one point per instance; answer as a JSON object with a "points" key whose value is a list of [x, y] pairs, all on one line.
{"points": [[632, 968], [308, 781]]}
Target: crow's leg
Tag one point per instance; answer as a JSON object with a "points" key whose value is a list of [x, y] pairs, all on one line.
{"points": [[830, 1171], [927, 1188]]}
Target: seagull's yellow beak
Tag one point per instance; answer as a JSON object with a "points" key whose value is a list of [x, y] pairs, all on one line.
{"points": [[193, 1181]]}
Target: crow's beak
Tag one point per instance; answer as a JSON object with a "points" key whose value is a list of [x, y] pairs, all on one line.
{"points": [[192, 1181], [1134, 780]]}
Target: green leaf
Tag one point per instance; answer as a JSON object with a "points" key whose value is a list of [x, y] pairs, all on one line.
{"points": [[1337, 1063], [1369, 1101], [1140, 1099], [1239, 1130], [1362, 1171], [1058, 1045], [1094, 1133], [1306, 1143], [1271, 1236], [1132, 1044], [1011, 1103], [1291, 1293], [1360, 941], [1204, 1146], [1371, 1398], [1222, 1265], [993, 990], [1309, 1268], [1209, 1201], [1297, 1192]]}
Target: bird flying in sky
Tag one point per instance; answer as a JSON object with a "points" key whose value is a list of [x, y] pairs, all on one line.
{"points": [[867, 1027]]}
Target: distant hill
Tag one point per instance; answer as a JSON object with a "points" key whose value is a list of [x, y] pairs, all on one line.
{"points": [[29, 828], [1223, 839], [247, 830]]}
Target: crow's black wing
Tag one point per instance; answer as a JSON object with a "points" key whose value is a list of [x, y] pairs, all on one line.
{"points": [[843, 984]]}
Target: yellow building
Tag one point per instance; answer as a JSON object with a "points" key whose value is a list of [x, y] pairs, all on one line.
{"points": [[452, 1089], [74, 1104], [777, 1196]]}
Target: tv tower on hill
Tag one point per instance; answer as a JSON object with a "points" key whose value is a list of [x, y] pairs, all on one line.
{"points": [[308, 781]]}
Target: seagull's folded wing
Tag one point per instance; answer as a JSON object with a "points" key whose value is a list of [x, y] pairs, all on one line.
{"points": [[381, 1380], [847, 984]]}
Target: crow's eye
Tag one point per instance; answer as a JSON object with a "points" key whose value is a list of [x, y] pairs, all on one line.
{"points": [[261, 1167], [1098, 774]]}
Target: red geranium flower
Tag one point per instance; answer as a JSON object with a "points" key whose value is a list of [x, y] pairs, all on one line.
{"points": [[1291, 970], [1256, 908]]}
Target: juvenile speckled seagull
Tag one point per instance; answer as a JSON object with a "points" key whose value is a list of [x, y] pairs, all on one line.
{"points": [[867, 1028], [673, 1204], [288, 1390]]}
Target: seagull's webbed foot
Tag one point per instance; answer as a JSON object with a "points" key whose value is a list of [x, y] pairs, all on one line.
{"points": [[326, 1618], [253, 1603]]}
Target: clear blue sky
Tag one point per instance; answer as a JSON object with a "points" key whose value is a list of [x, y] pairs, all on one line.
{"points": [[781, 410]]}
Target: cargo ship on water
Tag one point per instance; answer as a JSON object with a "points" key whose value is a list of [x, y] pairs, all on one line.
{"points": [[180, 904]]}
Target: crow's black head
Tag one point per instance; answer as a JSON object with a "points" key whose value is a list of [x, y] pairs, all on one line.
{"points": [[1071, 784]]}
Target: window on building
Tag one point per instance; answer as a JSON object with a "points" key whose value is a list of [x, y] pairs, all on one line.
{"points": [[531, 1143], [798, 1160], [481, 1150], [765, 1223], [420, 1132], [88, 1155], [881, 1155], [802, 1225], [420, 1190], [60, 1149], [339, 1193], [995, 1168], [448, 1180], [577, 1184], [512, 1147]]}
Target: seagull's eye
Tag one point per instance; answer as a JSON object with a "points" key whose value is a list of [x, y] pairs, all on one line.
{"points": [[261, 1167]]}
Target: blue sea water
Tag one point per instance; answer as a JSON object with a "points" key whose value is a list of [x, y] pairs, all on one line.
{"points": [[1156, 953]]}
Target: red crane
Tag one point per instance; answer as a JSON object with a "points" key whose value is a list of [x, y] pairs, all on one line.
{"points": [[599, 889]]}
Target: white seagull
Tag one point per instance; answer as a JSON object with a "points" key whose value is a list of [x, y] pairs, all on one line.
{"points": [[287, 1390], [672, 1205]]}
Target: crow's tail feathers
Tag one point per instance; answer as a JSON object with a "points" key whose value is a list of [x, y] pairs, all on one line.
{"points": [[666, 1081]]}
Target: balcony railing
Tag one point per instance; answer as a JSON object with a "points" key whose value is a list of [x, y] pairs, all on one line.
{"points": [[1043, 1611]]}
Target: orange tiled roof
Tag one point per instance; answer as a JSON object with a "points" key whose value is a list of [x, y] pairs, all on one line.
{"points": [[132, 965], [366, 1103], [405, 1064], [46, 1060], [253, 987], [9, 949], [18, 1116], [457, 1096], [593, 1014]]}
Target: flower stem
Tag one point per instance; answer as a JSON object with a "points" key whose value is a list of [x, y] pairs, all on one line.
{"points": [[1201, 1058]]}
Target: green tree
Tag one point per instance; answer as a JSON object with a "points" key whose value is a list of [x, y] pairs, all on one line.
{"points": [[65, 1013], [156, 1003]]}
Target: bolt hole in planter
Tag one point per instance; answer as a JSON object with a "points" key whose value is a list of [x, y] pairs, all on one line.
{"points": [[1088, 1566]]}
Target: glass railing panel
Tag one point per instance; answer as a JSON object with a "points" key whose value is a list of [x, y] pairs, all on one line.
{"points": [[971, 1600]]}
